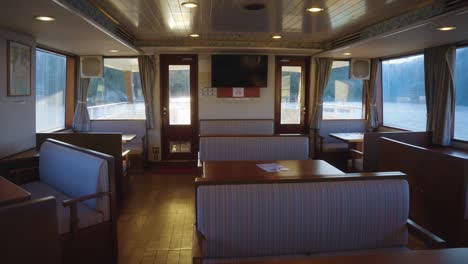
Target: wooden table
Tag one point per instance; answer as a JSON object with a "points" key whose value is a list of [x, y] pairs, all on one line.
{"points": [[348, 137], [444, 256], [128, 137], [11, 193]]}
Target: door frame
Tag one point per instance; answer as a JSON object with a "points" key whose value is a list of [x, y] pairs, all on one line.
{"points": [[304, 62], [178, 59]]}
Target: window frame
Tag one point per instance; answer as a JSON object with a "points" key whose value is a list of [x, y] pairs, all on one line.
{"points": [[406, 55], [452, 137], [119, 57], [363, 103], [304, 63], [70, 85]]}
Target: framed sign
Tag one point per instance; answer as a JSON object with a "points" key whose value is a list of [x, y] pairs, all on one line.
{"points": [[18, 69]]}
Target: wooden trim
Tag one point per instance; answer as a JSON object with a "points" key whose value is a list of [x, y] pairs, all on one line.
{"points": [[197, 252], [254, 135], [238, 119], [304, 63], [72, 201], [430, 239], [70, 91], [199, 181]]}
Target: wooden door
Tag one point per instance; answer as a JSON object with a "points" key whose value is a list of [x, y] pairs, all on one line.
{"points": [[179, 107]]}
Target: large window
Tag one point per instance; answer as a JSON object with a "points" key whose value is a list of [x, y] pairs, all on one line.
{"points": [[461, 98], [343, 97], [118, 95], [404, 96], [51, 70]]}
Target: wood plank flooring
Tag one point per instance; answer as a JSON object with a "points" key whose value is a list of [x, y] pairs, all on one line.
{"points": [[156, 221]]}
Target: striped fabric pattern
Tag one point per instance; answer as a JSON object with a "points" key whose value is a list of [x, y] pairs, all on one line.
{"points": [[254, 148], [81, 122], [236, 127], [257, 220]]}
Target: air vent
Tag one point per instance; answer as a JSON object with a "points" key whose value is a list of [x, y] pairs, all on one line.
{"points": [[346, 40], [451, 5], [125, 35], [254, 7]]}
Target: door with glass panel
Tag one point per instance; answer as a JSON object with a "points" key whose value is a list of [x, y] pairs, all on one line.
{"points": [[179, 109], [291, 94]]}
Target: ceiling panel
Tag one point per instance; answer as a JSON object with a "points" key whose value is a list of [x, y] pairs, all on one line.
{"points": [[221, 19]]}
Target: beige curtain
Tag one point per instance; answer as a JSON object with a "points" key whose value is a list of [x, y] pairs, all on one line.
{"points": [[370, 88], [439, 77], [322, 73], [147, 69], [81, 121]]}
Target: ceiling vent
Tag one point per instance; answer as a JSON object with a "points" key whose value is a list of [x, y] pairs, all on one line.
{"points": [[345, 40], [124, 35], [451, 5], [254, 6]]}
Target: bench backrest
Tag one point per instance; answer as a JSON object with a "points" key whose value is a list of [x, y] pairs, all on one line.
{"points": [[75, 173], [236, 127], [252, 220], [254, 148]]}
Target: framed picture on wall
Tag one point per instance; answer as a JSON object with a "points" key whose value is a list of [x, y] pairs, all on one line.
{"points": [[18, 69]]}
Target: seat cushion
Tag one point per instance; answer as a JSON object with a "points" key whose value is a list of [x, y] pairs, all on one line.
{"points": [[86, 215]]}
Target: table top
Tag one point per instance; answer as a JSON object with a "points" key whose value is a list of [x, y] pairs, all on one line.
{"points": [[11, 193], [348, 137], [128, 137], [444, 256], [28, 154], [215, 171]]}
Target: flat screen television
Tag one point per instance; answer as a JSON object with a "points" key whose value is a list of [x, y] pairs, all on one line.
{"points": [[239, 71]]}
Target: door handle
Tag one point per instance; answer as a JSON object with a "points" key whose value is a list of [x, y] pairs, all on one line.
{"points": [[164, 111]]}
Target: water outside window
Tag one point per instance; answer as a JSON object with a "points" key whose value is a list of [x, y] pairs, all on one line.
{"points": [[291, 92], [461, 96], [179, 95]]}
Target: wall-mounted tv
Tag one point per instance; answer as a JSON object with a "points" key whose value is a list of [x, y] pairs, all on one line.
{"points": [[239, 71]]}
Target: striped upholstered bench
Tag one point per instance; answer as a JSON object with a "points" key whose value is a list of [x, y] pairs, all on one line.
{"points": [[329, 216]]}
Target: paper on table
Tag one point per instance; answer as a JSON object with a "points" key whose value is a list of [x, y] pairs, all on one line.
{"points": [[272, 167]]}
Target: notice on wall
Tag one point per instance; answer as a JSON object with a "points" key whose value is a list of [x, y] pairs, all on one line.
{"points": [[237, 92]]}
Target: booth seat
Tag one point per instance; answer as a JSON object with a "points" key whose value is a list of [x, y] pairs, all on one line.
{"points": [[260, 221], [82, 182], [138, 127]]}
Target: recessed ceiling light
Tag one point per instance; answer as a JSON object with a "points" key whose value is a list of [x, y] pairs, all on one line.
{"points": [[314, 9], [194, 35], [189, 4], [113, 50], [277, 37], [446, 28], [45, 18], [347, 54]]}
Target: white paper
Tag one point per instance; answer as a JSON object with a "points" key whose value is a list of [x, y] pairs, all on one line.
{"points": [[272, 167], [237, 92]]}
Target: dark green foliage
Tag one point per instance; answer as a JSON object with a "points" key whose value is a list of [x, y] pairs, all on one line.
{"points": [[179, 81], [50, 73], [461, 77], [114, 88], [342, 74]]}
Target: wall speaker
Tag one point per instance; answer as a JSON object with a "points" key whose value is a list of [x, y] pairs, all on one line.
{"points": [[359, 69], [91, 66]]}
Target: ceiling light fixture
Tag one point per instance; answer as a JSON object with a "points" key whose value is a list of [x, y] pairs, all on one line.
{"points": [[194, 35], [276, 37], [446, 28], [113, 50], [44, 18], [314, 9], [190, 4], [347, 54]]}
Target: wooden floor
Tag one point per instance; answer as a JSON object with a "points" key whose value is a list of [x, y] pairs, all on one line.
{"points": [[156, 222]]}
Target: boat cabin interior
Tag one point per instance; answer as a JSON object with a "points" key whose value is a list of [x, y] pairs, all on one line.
{"points": [[231, 131]]}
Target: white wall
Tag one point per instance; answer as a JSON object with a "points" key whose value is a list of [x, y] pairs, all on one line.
{"points": [[17, 114], [211, 107]]}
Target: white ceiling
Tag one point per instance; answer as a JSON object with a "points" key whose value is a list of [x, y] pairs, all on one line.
{"points": [[414, 38], [69, 32]]}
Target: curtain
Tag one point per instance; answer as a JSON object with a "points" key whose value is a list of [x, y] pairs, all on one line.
{"points": [[81, 121], [147, 69], [439, 79], [370, 88], [322, 73]]}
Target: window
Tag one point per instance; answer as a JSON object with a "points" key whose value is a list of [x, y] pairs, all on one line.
{"points": [[119, 94], [179, 95], [461, 91], [404, 97], [342, 98], [291, 91], [51, 85]]}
